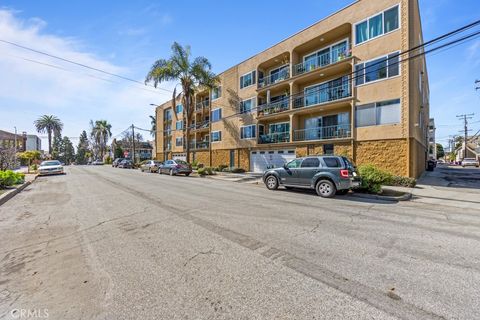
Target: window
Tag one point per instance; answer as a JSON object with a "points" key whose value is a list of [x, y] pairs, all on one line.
{"points": [[294, 164], [332, 162], [216, 136], [178, 108], [168, 114], [247, 105], [378, 69], [373, 27], [311, 163], [216, 92], [248, 132], [247, 79], [379, 113], [179, 125], [179, 141], [279, 74], [216, 114]]}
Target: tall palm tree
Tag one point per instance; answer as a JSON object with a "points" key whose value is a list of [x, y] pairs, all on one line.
{"points": [[153, 123], [49, 124], [190, 74], [101, 132]]}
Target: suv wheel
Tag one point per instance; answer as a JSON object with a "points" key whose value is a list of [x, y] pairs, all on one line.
{"points": [[325, 189], [271, 182]]}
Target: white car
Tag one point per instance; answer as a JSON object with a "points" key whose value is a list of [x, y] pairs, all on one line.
{"points": [[472, 162], [50, 167]]}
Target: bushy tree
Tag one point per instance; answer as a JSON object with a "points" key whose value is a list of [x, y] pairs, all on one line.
{"points": [[440, 151], [82, 149]]}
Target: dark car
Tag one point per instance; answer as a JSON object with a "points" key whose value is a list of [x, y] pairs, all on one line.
{"points": [[150, 165], [117, 161], [327, 175], [125, 164], [174, 167]]}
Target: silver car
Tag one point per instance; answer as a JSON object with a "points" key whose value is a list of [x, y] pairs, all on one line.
{"points": [[50, 167], [174, 167], [150, 166], [470, 162]]}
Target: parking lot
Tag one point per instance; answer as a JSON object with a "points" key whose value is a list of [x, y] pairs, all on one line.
{"points": [[107, 243]]}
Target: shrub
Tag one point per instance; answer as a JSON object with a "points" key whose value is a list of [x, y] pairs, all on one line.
{"points": [[227, 169], [373, 178], [34, 167], [194, 163], [202, 171], [9, 178], [200, 165], [108, 160], [238, 170], [403, 182], [222, 166], [209, 170], [194, 167]]}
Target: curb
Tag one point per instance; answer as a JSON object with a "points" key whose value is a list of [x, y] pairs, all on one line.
{"points": [[9, 195], [407, 196]]}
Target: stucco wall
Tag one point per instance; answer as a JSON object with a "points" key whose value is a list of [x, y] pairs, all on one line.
{"points": [[389, 155]]}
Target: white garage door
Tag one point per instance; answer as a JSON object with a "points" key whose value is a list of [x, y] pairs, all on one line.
{"points": [[180, 156], [262, 160]]}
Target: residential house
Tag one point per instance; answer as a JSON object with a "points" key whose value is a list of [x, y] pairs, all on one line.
{"points": [[7, 140]]}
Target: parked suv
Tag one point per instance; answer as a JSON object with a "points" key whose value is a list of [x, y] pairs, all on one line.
{"points": [[328, 175]]}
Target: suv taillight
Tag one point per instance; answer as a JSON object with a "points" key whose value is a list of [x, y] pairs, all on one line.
{"points": [[344, 173]]}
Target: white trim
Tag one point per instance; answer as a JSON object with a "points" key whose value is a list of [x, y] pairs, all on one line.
{"points": [[378, 80], [354, 27], [249, 125], [325, 47], [375, 107], [211, 139]]}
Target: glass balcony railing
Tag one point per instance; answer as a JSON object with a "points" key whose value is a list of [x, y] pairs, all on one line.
{"points": [[276, 137], [274, 107], [322, 60], [274, 78], [200, 145], [322, 94], [323, 133]]}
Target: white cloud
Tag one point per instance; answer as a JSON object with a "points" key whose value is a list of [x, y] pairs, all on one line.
{"points": [[32, 84]]}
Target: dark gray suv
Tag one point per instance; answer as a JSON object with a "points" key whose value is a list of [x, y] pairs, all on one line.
{"points": [[328, 175]]}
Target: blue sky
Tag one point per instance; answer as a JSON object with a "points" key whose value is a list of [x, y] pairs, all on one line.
{"points": [[127, 36]]}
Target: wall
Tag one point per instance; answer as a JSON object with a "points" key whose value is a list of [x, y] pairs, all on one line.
{"points": [[389, 155]]}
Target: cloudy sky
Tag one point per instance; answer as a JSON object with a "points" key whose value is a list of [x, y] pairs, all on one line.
{"points": [[127, 37]]}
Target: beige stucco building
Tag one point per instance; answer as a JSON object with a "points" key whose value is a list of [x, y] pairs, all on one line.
{"points": [[344, 85]]}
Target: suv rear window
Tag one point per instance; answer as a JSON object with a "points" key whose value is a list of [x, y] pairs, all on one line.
{"points": [[332, 162]]}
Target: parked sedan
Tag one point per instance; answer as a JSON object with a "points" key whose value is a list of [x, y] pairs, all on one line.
{"points": [[50, 167], [174, 167], [327, 175], [125, 164], [97, 163], [470, 162], [150, 165], [117, 161]]}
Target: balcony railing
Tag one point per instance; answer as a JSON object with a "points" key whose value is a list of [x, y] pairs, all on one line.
{"points": [[331, 57], [323, 133], [277, 137], [200, 145], [322, 95], [274, 78], [274, 107], [200, 125], [202, 105]]}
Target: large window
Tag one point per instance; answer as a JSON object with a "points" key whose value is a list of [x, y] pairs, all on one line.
{"points": [[247, 79], [179, 142], [377, 25], [216, 92], [179, 125], [216, 136], [168, 114], [216, 114], [179, 108], [248, 132], [247, 105], [381, 68], [384, 112]]}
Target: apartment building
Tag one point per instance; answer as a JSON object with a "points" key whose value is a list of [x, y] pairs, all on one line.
{"points": [[34, 143], [432, 144], [342, 86]]}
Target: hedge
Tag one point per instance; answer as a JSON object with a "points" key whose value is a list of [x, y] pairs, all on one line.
{"points": [[9, 178]]}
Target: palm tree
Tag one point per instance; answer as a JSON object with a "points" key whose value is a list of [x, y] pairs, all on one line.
{"points": [[100, 133], [153, 123], [191, 75], [50, 125]]}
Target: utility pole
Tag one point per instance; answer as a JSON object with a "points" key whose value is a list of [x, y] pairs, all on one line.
{"points": [[15, 149], [465, 118], [133, 143]]}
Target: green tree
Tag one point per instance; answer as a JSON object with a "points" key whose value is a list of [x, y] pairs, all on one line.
{"points": [[56, 146], [100, 133], [82, 148], [118, 152], [49, 124], [67, 151], [153, 123], [190, 74], [440, 151], [28, 157]]}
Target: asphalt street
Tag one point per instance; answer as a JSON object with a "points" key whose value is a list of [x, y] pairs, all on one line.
{"points": [[106, 243]]}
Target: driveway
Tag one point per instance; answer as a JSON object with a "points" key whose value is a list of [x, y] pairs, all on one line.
{"points": [[105, 243]]}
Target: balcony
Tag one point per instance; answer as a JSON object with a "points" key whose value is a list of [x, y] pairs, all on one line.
{"points": [[201, 145], [322, 60], [276, 137], [273, 78], [202, 105], [200, 125], [322, 94], [274, 107], [323, 133]]}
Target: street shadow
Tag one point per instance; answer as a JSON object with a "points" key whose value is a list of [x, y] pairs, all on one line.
{"points": [[348, 197]]}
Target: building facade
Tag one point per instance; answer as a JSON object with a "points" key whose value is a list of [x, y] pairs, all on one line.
{"points": [[342, 86], [34, 143], [143, 149], [432, 145], [7, 140]]}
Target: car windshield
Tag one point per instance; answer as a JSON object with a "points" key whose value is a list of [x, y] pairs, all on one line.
{"points": [[50, 163]]}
